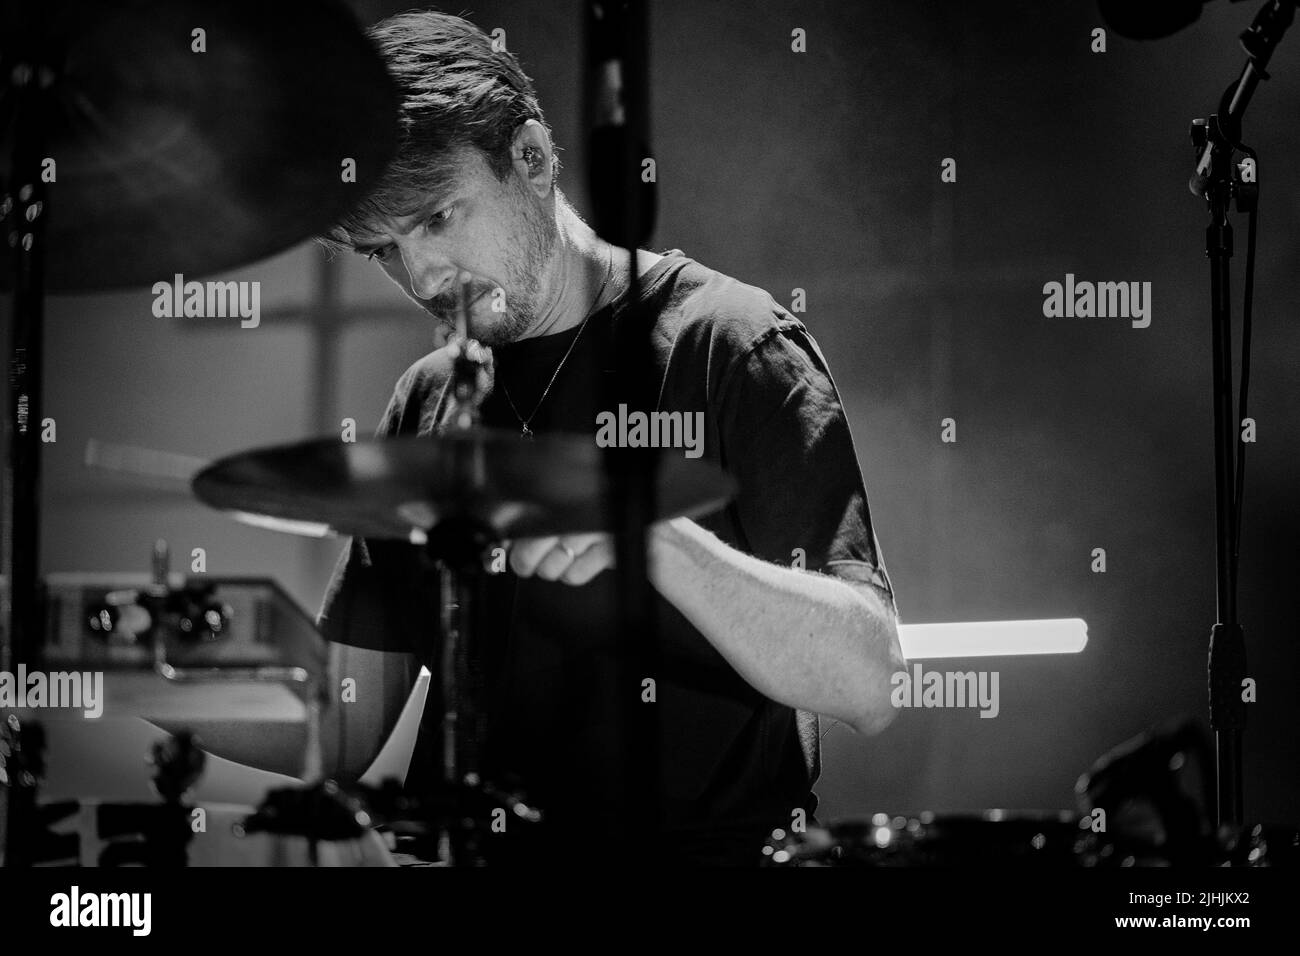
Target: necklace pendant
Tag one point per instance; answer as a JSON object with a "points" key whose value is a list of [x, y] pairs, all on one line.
{"points": [[526, 433]]}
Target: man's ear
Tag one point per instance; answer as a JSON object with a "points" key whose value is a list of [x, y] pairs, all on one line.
{"points": [[532, 156]]}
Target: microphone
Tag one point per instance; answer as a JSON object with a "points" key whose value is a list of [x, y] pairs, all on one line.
{"points": [[1149, 19]]}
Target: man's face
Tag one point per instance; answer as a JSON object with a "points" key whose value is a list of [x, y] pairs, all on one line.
{"points": [[502, 234]]}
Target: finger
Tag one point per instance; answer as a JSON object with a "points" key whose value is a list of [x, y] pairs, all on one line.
{"points": [[528, 553], [578, 543], [555, 563], [591, 562]]}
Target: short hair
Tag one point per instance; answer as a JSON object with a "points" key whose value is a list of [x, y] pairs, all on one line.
{"points": [[455, 90]]}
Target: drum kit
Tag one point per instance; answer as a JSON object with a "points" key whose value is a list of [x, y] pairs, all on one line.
{"points": [[171, 137], [162, 138], [1146, 803]]}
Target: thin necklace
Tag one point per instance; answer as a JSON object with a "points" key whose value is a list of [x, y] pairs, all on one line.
{"points": [[524, 430]]}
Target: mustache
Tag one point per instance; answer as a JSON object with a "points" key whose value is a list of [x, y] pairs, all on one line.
{"points": [[449, 304]]}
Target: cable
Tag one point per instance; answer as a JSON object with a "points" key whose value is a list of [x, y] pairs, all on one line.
{"points": [[1245, 373]]}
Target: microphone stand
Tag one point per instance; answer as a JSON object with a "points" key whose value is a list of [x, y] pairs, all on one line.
{"points": [[1216, 181], [623, 207]]}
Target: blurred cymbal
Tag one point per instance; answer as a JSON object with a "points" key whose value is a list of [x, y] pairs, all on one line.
{"points": [[383, 488], [171, 160]]}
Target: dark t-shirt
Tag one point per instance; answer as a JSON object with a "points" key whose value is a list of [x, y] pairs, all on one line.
{"points": [[734, 763]]}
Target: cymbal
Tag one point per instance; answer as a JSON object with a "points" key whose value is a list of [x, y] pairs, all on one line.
{"points": [[390, 488], [171, 159]]}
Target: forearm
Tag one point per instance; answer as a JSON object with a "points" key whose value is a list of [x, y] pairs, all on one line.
{"points": [[806, 640]]}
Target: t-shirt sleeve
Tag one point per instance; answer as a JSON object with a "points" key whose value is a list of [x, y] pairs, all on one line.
{"points": [[787, 443], [379, 595]]}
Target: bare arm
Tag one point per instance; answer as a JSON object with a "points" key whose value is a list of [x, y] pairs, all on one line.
{"points": [[803, 639], [806, 640]]}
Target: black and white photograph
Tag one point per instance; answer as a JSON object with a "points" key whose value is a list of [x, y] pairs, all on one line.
{"points": [[647, 444]]}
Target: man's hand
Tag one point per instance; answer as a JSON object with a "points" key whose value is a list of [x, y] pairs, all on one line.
{"points": [[462, 414], [572, 558]]}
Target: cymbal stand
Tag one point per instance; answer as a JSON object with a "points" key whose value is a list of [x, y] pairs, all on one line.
{"points": [[24, 92], [456, 543]]}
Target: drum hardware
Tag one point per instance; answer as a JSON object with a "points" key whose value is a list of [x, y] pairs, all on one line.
{"points": [[320, 812], [1017, 839], [22, 763], [993, 838], [115, 829], [419, 826], [1157, 792], [137, 833], [400, 488], [1261, 845], [455, 496], [119, 622], [1147, 802], [1254, 845], [238, 632], [190, 632], [213, 620], [188, 611], [1155, 795], [157, 834], [162, 833]]}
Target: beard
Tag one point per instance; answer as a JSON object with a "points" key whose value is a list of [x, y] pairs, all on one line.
{"points": [[533, 241]]}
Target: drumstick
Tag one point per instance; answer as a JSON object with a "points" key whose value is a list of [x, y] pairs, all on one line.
{"points": [[462, 317], [143, 462]]}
